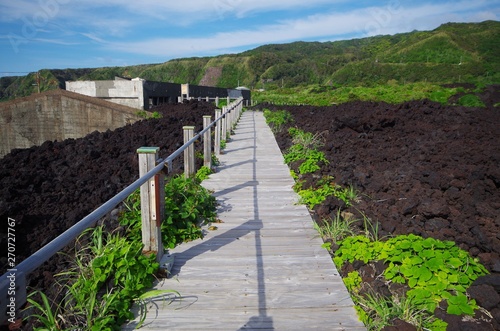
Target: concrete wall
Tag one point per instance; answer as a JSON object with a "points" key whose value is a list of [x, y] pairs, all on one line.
{"points": [[57, 115], [123, 92]]}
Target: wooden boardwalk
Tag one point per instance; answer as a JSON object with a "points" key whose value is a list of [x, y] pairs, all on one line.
{"points": [[263, 268]]}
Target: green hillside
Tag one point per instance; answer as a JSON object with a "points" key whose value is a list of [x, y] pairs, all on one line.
{"points": [[452, 53]]}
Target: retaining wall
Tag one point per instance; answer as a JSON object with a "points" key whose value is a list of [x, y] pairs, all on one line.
{"points": [[57, 115]]}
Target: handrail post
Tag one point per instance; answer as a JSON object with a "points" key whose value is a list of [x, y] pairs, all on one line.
{"points": [[207, 143], [188, 152], [224, 125], [238, 109], [152, 202], [229, 120], [217, 132]]}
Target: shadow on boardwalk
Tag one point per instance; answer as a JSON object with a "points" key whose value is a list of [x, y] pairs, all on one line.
{"points": [[254, 225], [264, 268]]}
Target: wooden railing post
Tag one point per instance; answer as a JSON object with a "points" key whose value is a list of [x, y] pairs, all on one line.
{"points": [[224, 125], [188, 152], [207, 142], [229, 120], [216, 101], [240, 109], [217, 133], [152, 202]]}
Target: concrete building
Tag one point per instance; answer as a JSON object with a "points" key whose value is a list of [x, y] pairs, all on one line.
{"points": [[136, 93], [142, 94]]}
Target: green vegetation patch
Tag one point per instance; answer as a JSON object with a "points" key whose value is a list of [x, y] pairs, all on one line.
{"points": [[277, 119], [471, 100], [187, 206], [109, 274], [433, 270], [392, 92]]}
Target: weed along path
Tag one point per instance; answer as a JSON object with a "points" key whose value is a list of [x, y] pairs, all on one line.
{"points": [[263, 267]]}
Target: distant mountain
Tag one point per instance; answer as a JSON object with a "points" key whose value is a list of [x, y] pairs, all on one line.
{"points": [[452, 53]]}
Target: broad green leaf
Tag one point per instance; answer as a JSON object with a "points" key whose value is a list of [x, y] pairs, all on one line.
{"points": [[454, 310], [425, 274], [427, 253], [455, 262]]}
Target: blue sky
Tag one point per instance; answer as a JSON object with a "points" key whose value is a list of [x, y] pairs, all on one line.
{"points": [[58, 34]]}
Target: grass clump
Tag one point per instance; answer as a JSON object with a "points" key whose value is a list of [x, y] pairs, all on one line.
{"points": [[109, 273], [337, 228], [305, 149], [277, 119], [471, 100]]}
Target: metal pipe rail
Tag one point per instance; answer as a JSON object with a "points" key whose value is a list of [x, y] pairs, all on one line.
{"points": [[13, 292]]}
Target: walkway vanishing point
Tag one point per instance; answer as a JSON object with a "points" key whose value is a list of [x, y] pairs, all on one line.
{"points": [[264, 267]]}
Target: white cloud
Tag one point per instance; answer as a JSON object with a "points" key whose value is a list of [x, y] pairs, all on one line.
{"points": [[131, 29], [208, 8], [55, 41], [389, 19], [93, 37], [176, 12]]}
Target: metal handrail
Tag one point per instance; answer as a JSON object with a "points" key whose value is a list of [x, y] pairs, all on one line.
{"points": [[34, 261]]}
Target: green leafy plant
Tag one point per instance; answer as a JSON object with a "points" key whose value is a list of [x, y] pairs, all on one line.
{"points": [[326, 187], [109, 273], [433, 270], [353, 282], [357, 248], [156, 114], [148, 115], [276, 119], [215, 160], [187, 206], [312, 161], [305, 149], [203, 173]]}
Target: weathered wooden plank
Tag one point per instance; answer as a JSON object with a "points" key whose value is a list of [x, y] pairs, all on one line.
{"points": [[338, 318]]}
